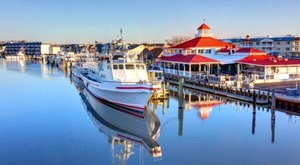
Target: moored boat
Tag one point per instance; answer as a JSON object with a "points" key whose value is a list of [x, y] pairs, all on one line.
{"points": [[121, 79], [123, 127]]}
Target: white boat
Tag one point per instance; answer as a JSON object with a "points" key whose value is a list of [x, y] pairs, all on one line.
{"points": [[78, 69], [121, 79], [82, 63], [122, 127]]}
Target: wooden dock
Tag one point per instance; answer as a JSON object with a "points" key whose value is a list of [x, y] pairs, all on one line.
{"points": [[242, 94], [287, 103]]}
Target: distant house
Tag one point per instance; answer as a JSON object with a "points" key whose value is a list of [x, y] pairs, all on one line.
{"points": [[282, 45], [152, 53], [30, 48]]}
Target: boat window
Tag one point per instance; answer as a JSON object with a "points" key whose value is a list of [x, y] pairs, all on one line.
{"points": [[130, 66], [115, 67], [142, 67], [137, 66], [121, 66]]}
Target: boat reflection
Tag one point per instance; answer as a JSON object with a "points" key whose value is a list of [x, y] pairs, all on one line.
{"points": [[123, 128], [78, 83]]}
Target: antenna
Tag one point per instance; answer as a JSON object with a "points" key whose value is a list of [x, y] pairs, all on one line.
{"points": [[121, 33]]}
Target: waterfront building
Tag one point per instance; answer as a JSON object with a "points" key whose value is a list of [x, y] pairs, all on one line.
{"points": [[30, 48], [2, 49], [195, 56], [262, 67], [283, 45], [205, 55], [103, 48], [71, 48]]}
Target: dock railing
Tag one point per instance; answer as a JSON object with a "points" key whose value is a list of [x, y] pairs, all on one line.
{"points": [[218, 85]]}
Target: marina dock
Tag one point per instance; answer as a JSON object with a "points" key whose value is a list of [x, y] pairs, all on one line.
{"points": [[242, 94]]}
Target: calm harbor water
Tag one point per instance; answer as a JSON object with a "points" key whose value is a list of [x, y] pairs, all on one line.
{"points": [[46, 118]]}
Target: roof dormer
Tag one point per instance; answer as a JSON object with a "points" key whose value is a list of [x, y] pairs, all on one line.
{"points": [[204, 31]]}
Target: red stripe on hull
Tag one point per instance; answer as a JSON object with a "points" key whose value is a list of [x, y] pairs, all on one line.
{"points": [[151, 89]]}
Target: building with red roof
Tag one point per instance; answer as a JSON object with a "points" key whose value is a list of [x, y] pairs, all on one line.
{"points": [[187, 65], [263, 67], [192, 55], [204, 43], [205, 54]]}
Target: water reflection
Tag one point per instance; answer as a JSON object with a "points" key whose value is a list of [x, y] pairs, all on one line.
{"points": [[34, 68], [200, 101], [192, 126], [123, 129]]}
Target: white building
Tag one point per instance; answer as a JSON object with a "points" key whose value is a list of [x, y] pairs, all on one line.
{"points": [[284, 45]]}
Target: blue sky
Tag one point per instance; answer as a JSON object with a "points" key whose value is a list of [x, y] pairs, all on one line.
{"points": [[74, 21]]}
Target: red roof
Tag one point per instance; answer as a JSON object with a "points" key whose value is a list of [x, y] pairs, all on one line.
{"points": [[267, 60], [203, 42], [250, 51], [203, 26], [191, 58]]}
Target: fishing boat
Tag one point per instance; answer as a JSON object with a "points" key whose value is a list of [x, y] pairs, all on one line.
{"points": [[123, 128], [82, 63], [121, 78]]}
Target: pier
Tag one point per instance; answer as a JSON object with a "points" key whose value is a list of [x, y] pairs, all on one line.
{"points": [[290, 104], [242, 94]]}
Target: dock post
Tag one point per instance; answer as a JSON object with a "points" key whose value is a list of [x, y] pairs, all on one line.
{"points": [[254, 99], [273, 102], [180, 106], [253, 120], [180, 86]]}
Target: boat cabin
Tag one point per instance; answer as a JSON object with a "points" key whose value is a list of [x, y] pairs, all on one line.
{"points": [[123, 72]]}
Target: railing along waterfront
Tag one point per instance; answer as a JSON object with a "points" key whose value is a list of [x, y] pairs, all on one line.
{"points": [[214, 85]]}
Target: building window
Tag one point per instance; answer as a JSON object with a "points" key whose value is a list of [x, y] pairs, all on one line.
{"points": [[288, 42], [187, 67], [181, 67], [129, 66], [287, 49], [278, 43], [208, 51], [121, 66]]}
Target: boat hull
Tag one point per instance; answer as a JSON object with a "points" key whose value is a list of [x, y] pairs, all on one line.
{"points": [[77, 71], [132, 96]]}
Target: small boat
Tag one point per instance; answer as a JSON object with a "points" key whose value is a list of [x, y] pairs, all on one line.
{"points": [[157, 77], [78, 69], [82, 63], [120, 79], [121, 127]]}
